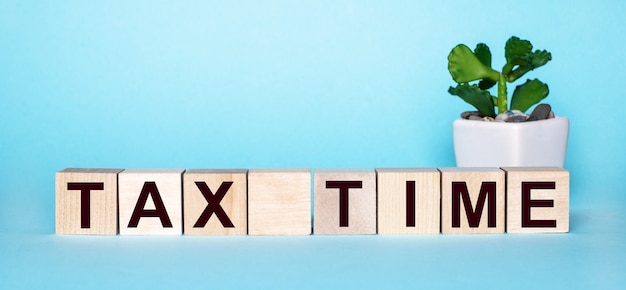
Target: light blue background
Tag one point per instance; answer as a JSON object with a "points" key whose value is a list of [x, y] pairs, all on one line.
{"points": [[249, 84]]}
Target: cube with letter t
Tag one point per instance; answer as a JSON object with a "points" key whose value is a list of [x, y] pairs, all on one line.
{"points": [[86, 201], [344, 201]]}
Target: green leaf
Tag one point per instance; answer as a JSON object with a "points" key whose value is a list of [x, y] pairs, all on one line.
{"points": [[540, 58], [483, 54], [486, 84], [465, 67], [517, 50], [528, 94], [476, 97], [533, 61]]}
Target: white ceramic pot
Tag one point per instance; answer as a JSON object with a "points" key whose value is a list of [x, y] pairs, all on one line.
{"points": [[497, 144]]}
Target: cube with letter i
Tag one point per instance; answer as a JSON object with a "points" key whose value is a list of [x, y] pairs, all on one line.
{"points": [[408, 201]]}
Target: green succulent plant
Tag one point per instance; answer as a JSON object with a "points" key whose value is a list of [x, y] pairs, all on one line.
{"points": [[468, 66]]}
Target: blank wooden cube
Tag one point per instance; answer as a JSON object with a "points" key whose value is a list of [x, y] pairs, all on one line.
{"points": [[150, 202], [537, 200], [86, 201], [279, 202], [344, 201], [215, 202], [472, 200], [408, 201]]}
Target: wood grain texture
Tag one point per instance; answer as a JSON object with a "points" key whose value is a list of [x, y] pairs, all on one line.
{"points": [[473, 180], [361, 202], [546, 206], [233, 203], [395, 204], [102, 203], [279, 202], [169, 185]]}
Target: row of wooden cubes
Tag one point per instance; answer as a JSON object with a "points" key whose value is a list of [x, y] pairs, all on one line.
{"points": [[278, 201]]}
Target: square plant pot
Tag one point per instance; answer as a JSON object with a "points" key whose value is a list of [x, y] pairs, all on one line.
{"points": [[497, 144]]}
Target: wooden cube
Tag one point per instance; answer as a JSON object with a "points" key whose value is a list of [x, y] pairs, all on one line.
{"points": [[472, 200], [279, 202], [215, 202], [86, 201], [150, 202], [344, 201], [408, 201], [537, 199]]}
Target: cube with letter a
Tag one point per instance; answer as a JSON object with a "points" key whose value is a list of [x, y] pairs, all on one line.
{"points": [[150, 202]]}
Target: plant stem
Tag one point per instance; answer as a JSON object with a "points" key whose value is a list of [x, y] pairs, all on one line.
{"points": [[502, 101]]}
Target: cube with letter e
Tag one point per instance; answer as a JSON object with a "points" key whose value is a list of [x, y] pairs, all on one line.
{"points": [[537, 199]]}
